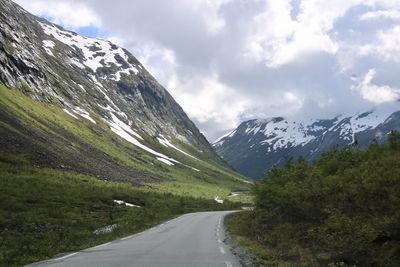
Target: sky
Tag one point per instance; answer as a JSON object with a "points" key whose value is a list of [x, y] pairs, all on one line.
{"points": [[226, 61]]}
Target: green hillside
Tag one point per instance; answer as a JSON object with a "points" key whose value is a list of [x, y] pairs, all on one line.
{"points": [[60, 177], [52, 138]]}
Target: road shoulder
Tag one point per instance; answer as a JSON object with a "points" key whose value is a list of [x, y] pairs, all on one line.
{"points": [[246, 259]]}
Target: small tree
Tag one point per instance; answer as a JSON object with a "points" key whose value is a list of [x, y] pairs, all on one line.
{"points": [[394, 140]]}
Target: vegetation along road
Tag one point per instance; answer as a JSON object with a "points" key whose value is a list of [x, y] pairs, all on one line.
{"points": [[194, 239]]}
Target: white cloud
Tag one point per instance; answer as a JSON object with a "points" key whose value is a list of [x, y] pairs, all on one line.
{"points": [[376, 93], [383, 3], [72, 15], [161, 62], [209, 11], [280, 39], [229, 60], [208, 100], [385, 46], [293, 98], [392, 14]]}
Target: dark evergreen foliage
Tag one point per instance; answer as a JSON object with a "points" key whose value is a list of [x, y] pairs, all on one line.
{"points": [[341, 209]]}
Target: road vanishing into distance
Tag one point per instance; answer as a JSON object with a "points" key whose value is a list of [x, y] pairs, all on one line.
{"points": [[194, 239]]}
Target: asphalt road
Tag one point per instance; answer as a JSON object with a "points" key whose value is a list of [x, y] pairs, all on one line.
{"points": [[194, 239]]}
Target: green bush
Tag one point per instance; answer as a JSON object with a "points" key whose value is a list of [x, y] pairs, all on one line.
{"points": [[341, 209]]}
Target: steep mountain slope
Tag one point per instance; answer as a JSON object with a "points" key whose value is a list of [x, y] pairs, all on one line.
{"points": [[257, 145], [89, 106]]}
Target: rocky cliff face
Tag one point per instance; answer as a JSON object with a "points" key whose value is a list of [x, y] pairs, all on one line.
{"points": [[258, 145], [100, 87], [86, 75], [89, 78]]}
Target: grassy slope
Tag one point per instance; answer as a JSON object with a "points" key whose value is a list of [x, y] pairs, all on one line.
{"points": [[213, 180], [45, 210]]}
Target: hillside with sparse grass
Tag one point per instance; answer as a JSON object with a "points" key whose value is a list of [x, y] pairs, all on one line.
{"points": [[53, 139]]}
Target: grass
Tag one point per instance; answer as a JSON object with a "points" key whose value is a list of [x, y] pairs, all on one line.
{"points": [[48, 210], [214, 179], [259, 255], [44, 212]]}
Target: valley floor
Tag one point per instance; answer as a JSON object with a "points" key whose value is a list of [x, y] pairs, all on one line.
{"points": [[194, 239], [44, 212]]}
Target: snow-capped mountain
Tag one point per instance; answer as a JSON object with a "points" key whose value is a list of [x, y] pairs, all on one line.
{"points": [[91, 79], [257, 145], [96, 84]]}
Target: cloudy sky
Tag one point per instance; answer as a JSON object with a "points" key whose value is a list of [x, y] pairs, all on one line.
{"points": [[226, 61]]}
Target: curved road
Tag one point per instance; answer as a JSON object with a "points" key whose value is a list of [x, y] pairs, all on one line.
{"points": [[194, 239]]}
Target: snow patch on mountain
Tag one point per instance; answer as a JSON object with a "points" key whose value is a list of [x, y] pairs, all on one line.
{"points": [[118, 124], [367, 120], [97, 53], [163, 160], [220, 140], [70, 113], [83, 113], [278, 132], [257, 145], [197, 170], [168, 144], [121, 202], [124, 131], [283, 133], [48, 46]]}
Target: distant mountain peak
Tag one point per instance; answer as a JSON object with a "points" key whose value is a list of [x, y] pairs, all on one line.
{"points": [[257, 145]]}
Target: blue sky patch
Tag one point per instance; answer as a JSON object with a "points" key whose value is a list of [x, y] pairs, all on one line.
{"points": [[92, 32], [87, 31]]}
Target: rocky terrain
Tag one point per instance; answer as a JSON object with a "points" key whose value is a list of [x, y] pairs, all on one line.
{"points": [[87, 105]]}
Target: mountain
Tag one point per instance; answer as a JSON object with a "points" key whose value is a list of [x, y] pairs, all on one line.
{"points": [[86, 105], [255, 146]]}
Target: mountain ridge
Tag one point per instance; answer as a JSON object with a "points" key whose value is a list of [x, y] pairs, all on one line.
{"points": [[88, 99], [119, 79], [257, 145]]}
